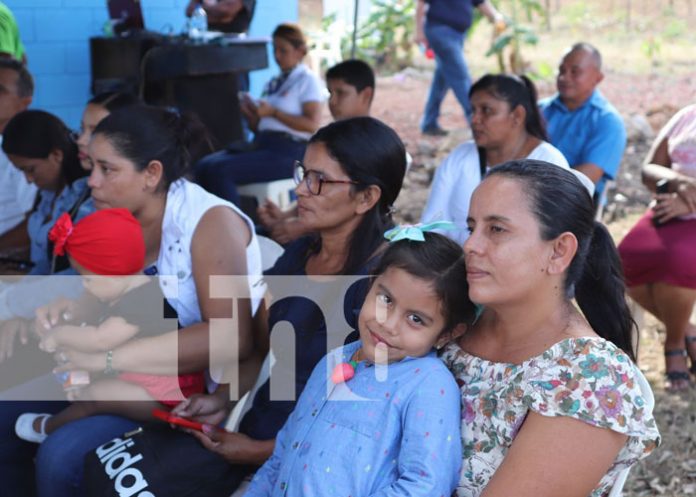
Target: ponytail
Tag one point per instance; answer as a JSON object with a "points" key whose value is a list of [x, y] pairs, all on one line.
{"points": [[534, 123], [561, 204], [600, 292], [193, 140], [142, 133]]}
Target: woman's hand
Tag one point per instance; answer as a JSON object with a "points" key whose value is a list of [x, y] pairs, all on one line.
{"points": [[248, 107], [283, 226], [265, 109], [669, 206], [686, 189], [250, 111], [210, 409], [287, 230], [269, 213], [48, 316], [236, 448], [10, 330]]}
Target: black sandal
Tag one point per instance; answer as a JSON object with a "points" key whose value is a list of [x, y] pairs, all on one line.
{"points": [[678, 376], [690, 340]]}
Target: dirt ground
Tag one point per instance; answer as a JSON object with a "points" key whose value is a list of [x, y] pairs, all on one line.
{"points": [[646, 102]]}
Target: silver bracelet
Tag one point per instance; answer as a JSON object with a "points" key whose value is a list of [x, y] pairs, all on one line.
{"points": [[109, 370]]}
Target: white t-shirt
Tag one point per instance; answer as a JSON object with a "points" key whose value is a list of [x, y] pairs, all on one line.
{"points": [[302, 86], [458, 176], [16, 195]]}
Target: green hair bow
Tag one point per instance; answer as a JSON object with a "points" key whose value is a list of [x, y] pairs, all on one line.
{"points": [[415, 231]]}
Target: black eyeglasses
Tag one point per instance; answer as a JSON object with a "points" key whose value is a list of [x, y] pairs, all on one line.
{"points": [[314, 179]]}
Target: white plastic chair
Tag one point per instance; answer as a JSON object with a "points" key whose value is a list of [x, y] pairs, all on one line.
{"points": [[241, 408], [603, 200], [325, 48], [270, 251], [279, 191]]}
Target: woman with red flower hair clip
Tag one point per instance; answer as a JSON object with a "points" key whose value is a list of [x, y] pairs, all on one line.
{"points": [[108, 250]]}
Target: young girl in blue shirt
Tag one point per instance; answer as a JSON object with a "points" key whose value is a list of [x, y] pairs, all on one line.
{"points": [[381, 416]]}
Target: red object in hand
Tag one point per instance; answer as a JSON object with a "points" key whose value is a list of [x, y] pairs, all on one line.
{"points": [[176, 420], [429, 54]]}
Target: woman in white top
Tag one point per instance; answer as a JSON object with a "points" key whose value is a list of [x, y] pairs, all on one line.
{"points": [[139, 156], [506, 125], [288, 113]]}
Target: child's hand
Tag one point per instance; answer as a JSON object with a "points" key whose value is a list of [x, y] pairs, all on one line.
{"points": [[48, 343], [50, 315]]}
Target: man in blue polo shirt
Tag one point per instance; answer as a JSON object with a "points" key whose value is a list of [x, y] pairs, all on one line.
{"points": [[443, 28], [580, 122]]}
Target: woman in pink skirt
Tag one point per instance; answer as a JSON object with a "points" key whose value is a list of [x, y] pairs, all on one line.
{"points": [[659, 253]]}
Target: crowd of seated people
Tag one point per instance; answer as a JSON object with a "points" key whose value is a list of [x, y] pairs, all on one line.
{"points": [[487, 359]]}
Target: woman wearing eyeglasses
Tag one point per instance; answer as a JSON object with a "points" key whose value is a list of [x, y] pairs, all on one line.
{"points": [[348, 180]]}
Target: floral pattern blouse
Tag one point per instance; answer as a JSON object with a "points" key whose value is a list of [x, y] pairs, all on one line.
{"points": [[588, 379]]}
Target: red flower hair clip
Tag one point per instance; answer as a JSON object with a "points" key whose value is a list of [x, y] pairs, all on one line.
{"points": [[60, 233]]}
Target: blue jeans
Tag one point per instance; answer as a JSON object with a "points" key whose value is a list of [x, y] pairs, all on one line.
{"points": [[450, 72], [60, 458], [271, 158]]}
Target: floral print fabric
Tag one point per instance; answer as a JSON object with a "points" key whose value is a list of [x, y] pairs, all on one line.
{"points": [[588, 379]]}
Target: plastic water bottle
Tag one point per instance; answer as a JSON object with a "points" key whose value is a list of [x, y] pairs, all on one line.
{"points": [[198, 24]]}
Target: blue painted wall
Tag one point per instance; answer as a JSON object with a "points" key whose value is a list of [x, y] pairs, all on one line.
{"points": [[56, 36]]}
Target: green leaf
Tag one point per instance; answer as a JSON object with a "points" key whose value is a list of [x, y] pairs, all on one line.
{"points": [[499, 44]]}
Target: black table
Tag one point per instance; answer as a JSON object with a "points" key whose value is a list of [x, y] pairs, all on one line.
{"points": [[174, 71]]}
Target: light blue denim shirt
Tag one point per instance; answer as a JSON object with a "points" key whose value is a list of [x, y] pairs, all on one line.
{"points": [[368, 437], [22, 299], [45, 216]]}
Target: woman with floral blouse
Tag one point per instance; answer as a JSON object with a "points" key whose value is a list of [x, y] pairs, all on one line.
{"points": [[552, 401]]}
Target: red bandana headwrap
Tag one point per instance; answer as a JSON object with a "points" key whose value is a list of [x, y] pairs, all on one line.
{"points": [[108, 242]]}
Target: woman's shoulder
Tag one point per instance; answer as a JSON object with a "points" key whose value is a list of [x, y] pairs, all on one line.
{"points": [[187, 202], [466, 150], [571, 354], [547, 152], [461, 161], [576, 351], [687, 112], [308, 80], [683, 118], [592, 380]]}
